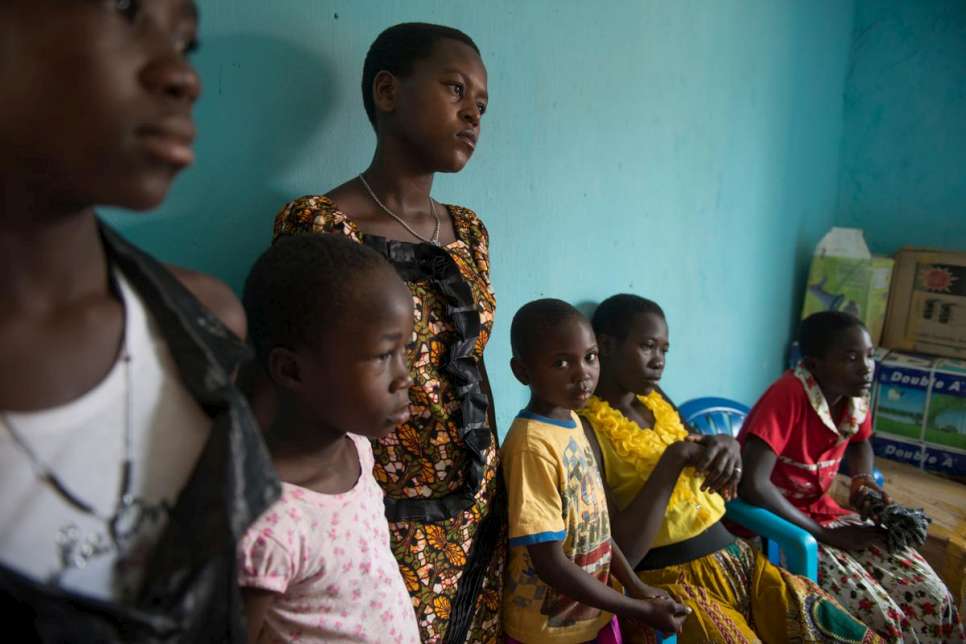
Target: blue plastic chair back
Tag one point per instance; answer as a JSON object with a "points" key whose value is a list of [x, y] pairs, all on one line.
{"points": [[712, 415]]}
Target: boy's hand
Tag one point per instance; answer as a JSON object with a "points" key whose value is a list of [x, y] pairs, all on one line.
{"points": [[854, 537], [665, 615], [640, 590]]}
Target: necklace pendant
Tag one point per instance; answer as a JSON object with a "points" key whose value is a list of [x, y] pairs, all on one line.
{"points": [[126, 521]]}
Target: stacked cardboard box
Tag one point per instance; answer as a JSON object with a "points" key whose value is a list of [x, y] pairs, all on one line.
{"points": [[844, 276], [927, 305], [920, 406], [919, 411]]}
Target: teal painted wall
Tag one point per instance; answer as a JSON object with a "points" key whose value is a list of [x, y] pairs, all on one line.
{"points": [[903, 177], [687, 151]]}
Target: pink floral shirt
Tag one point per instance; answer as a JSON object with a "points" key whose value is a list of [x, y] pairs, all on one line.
{"points": [[328, 557]]}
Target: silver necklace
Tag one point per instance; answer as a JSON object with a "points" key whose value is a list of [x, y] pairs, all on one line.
{"points": [[127, 515], [434, 240]]}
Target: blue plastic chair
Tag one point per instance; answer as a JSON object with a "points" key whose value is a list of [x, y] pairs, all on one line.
{"points": [[722, 416], [714, 415]]}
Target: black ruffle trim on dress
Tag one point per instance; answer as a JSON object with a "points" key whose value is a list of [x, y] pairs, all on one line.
{"points": [[416, 262]]}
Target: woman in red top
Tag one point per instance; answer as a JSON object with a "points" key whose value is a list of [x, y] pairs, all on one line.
{"points": [[792, 444]]}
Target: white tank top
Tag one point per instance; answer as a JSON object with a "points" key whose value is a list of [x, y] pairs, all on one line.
{"points": [[82, 442]]}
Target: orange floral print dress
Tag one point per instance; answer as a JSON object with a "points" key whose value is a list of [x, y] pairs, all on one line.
{"points": [[439, 470]]}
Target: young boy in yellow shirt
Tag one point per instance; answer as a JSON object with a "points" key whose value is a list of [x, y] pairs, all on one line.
{"points": [[561, 553]]}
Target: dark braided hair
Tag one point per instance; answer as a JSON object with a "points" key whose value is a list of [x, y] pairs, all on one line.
{"points": [[302, 284], [613, 316], [397, 48]]}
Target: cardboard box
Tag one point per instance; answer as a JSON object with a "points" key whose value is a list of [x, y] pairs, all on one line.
{"points": [[927, 306], [844, 276], [919, 411]]}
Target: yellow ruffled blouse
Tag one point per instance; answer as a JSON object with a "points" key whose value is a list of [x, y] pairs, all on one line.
{"points": [[630, 455]]}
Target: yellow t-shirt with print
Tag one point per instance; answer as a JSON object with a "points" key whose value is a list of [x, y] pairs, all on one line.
{"points": [[555, 494]]}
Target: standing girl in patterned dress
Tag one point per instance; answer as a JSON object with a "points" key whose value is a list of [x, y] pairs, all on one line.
{"points": [[424, 89]]}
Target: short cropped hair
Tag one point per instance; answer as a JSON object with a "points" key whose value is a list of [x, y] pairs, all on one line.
{"points": [[534, 319], [397, 48], [302, 284], [819, 331], [613, 316]]}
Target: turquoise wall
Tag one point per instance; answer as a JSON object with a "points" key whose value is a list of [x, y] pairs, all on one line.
{"points": [[687, 151], [903, 176]]}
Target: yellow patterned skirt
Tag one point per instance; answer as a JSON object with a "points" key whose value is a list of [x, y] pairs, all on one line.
{"points": [[738, 596]]}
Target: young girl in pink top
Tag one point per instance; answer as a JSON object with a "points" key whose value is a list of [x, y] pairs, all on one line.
{"points": [[331, 322]]}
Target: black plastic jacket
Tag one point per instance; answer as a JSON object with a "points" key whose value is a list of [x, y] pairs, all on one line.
{"points": [[190, 593]]}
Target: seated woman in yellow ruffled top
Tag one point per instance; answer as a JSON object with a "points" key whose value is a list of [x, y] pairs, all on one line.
{"points": [[666, 496]]}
